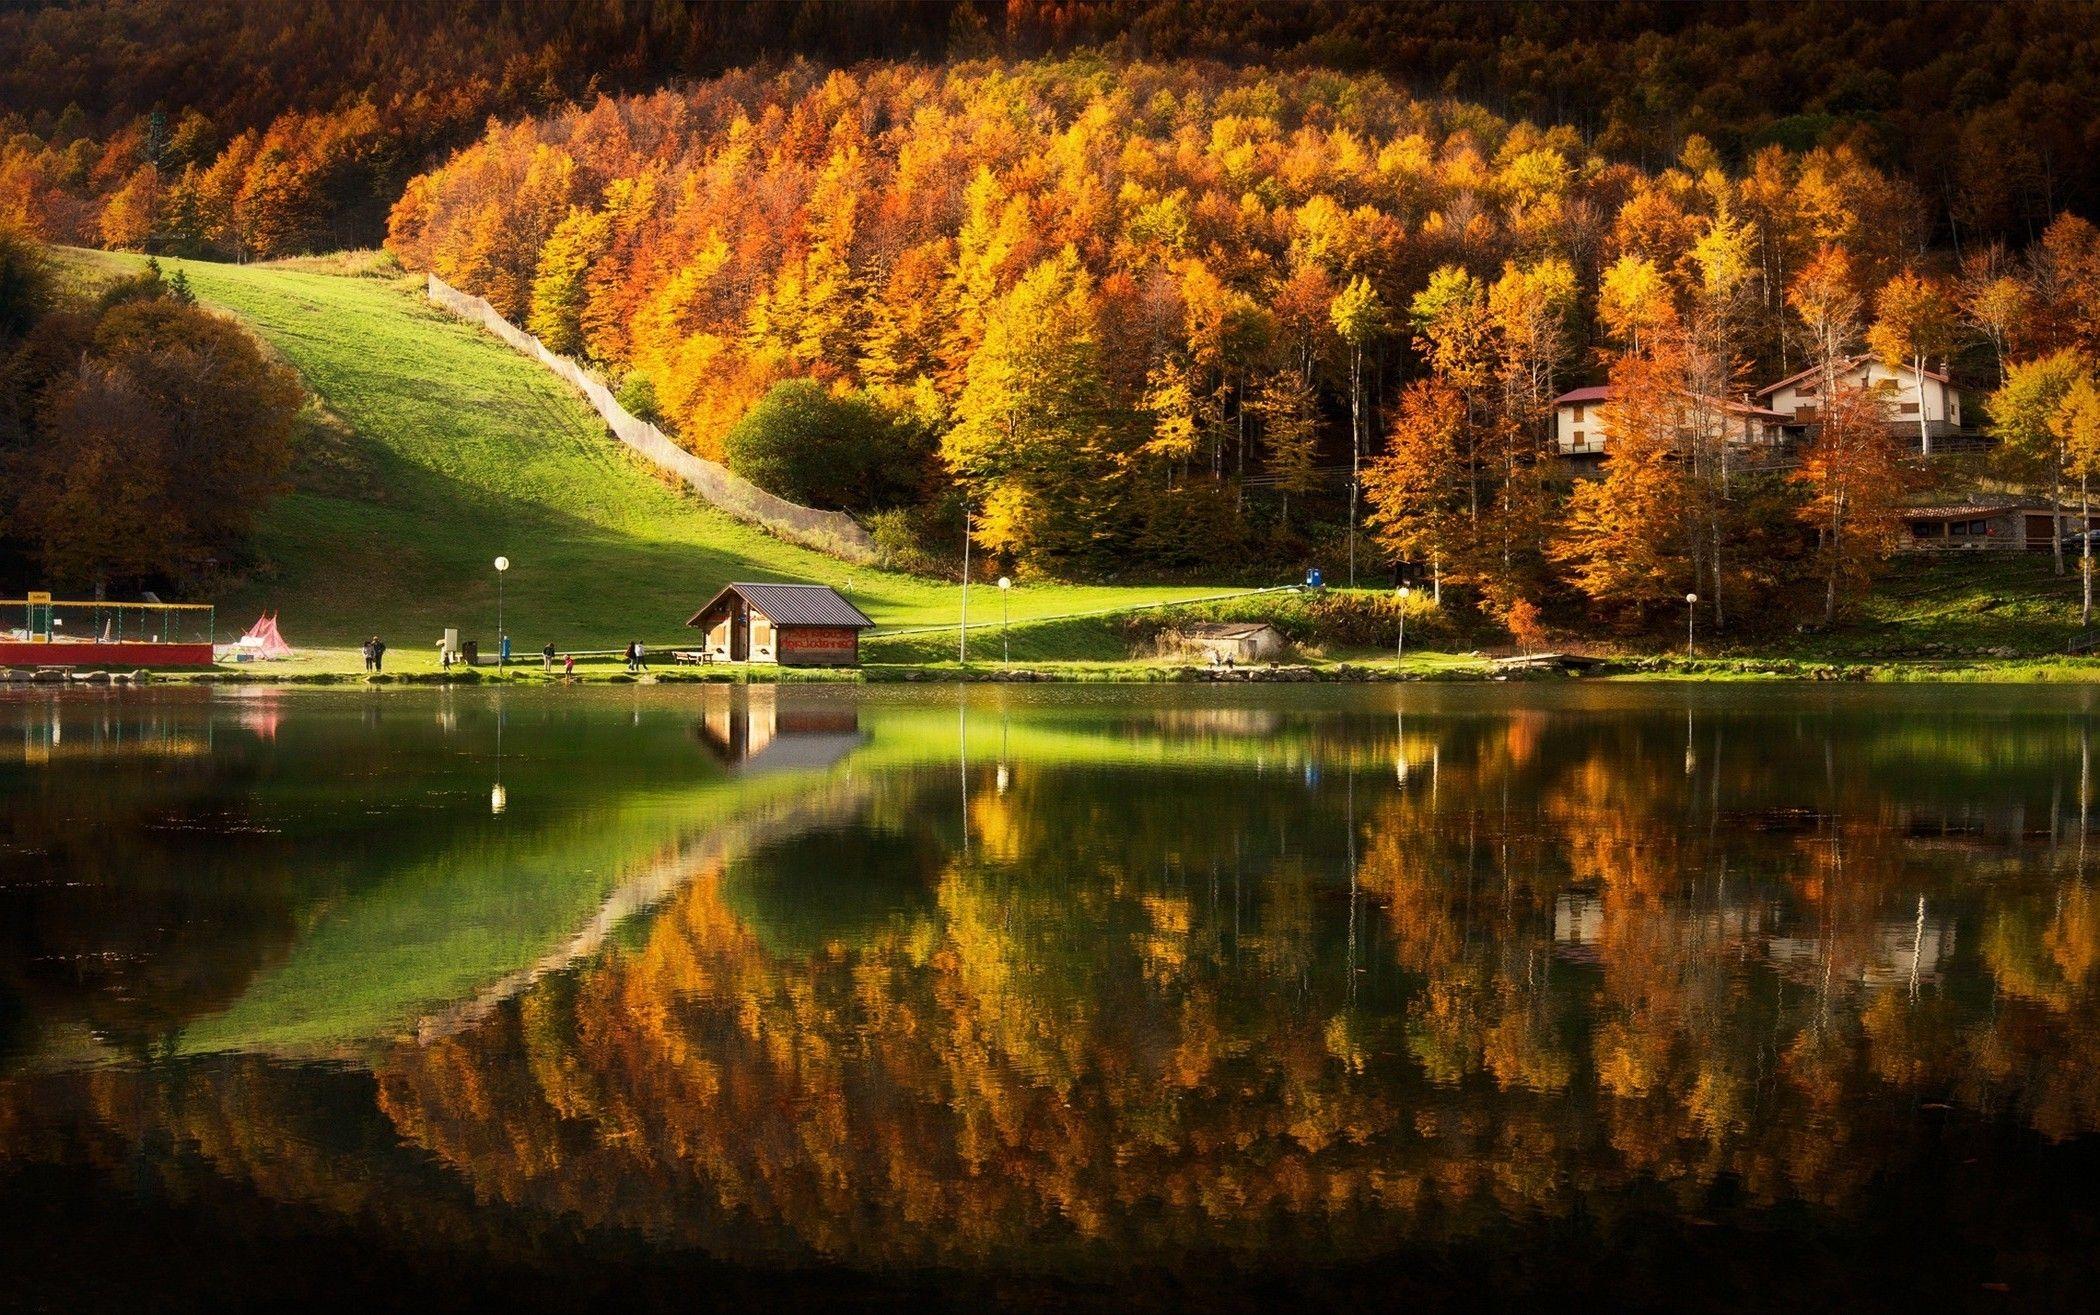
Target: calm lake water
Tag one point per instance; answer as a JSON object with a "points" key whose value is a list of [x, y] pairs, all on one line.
{"points": [[1439, 997]]}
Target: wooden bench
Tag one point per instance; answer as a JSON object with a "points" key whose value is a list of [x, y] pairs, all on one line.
{"points": [[692, 657]]}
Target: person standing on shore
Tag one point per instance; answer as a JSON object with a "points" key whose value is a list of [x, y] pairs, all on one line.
{"points": [[368, 656], [377, 648], [547, 658]]}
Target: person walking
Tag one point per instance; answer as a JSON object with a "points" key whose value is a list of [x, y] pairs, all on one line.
{"points": [[568, 667], [502, 651], [378, 654], [547, 659], [368, 656], [641, 656]]}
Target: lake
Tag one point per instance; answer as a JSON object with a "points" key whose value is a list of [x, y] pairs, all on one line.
{"points": [[1436, 997]]}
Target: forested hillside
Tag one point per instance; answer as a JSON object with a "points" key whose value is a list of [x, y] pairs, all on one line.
{"points": [[1155, 313], [1183, 290], [246, 128]]}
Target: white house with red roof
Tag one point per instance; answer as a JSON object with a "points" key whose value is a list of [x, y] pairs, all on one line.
{"points": [[1903, 390], [1579, 429]]}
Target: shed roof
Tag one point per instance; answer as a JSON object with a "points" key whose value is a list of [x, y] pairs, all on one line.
{"points": [[1981, 507], [792, 605], [1229, 630]]}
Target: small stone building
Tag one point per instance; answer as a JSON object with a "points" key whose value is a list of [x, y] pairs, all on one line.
{"points": [[1237, 641], [795, 625]]}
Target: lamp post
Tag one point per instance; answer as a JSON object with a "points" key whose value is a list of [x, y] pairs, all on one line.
{"points": [[502, 566], [1400, 644], [962, 624], [1691, 617], [1004, 655]]}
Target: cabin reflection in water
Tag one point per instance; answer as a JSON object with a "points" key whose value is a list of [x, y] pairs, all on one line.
{"points": [[761, 729]]}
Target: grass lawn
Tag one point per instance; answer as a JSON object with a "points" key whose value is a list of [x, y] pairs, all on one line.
{"points": [[1954, 605], [437, 448]]}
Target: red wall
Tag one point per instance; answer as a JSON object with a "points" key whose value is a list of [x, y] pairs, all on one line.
{"points": [[111, 656]]}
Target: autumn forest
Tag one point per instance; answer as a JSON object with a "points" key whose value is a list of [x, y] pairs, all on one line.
{"points": [[1130, 300]]}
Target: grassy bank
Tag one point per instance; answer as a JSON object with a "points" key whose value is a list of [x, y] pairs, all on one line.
{"points": [[434, 448]]}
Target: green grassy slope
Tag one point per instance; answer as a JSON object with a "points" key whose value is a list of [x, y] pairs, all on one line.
{"points": [[1956, 605], [442, 448]]}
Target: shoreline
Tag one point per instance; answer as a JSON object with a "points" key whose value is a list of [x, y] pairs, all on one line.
{"points": [[1434, 668]]}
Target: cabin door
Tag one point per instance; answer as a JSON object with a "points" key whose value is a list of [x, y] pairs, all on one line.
{"points": [[740, 632]]}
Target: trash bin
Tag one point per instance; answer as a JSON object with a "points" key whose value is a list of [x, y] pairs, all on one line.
{"points": [[470, 653]]}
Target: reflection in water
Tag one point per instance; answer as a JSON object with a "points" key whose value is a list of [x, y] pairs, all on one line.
{"points": [[766, 728], [1075, 981]]}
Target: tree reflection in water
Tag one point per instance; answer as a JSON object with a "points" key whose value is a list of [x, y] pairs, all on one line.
{"points": [[1300, 981]]}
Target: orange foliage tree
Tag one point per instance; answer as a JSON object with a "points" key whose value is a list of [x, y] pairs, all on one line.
{"points": [[1855, 482]]}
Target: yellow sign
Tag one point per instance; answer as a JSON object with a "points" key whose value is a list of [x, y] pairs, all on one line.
{"points": [[37, 596]]}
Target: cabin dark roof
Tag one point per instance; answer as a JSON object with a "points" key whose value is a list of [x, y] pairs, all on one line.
{"points": [[793, 605]]}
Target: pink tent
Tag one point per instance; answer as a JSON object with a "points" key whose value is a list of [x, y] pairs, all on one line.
{"points": [[263, 639]]}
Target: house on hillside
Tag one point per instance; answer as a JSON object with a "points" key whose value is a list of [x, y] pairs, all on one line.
{"points": [[1798, 396], [1988, 524], [1579, 429], [795, 625]]}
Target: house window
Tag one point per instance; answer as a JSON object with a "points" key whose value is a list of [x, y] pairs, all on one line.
{"points": [[1578, 416], [1958, 528], [1978, 528], [1578, 438], [1907, 408]]}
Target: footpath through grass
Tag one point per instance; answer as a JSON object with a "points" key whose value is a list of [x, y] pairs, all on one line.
{"points": [[438, 448]]}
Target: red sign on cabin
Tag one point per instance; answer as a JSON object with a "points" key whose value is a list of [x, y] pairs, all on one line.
{"points": [[819, 645]]}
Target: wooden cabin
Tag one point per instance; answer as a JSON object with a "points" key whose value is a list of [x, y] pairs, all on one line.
{"points": [[794, 625]]}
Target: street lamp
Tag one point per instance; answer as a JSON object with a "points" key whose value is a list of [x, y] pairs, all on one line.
{"points": [[1400, 644], [502, 565], [1005, 585], [1691, 616]]}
